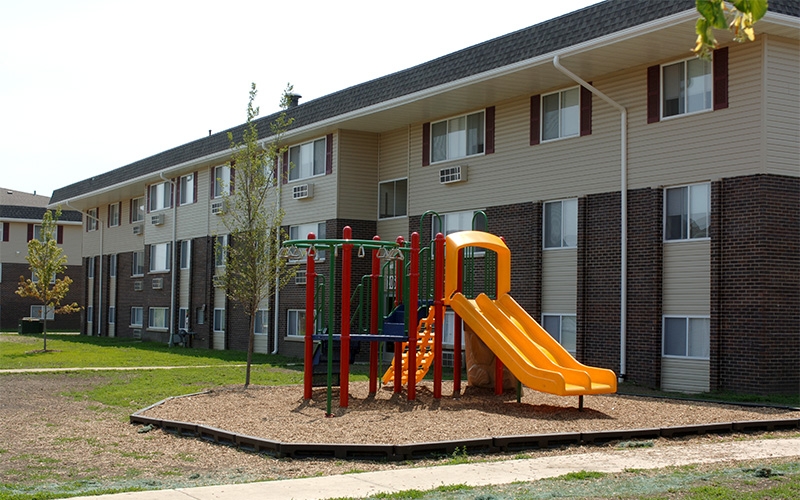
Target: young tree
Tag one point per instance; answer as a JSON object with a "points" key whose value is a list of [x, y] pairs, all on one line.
{"points": [[739, 17], [252, 267], [47, 261]]}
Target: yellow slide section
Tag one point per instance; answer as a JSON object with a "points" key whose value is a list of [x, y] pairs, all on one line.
{"points": [[529, 352], [425, 336]]}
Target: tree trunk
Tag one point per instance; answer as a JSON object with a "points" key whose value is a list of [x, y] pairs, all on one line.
{"points": [[250, 346]]}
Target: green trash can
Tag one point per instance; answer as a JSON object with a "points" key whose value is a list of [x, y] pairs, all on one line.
{"points": [[30, 325]]}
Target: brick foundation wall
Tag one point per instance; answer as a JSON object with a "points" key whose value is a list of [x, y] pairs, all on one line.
{"points": [[14, 307]]}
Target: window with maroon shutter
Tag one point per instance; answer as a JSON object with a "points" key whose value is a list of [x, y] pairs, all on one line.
{"points": [[561, 114], [688, 86], [456, 137], [489, 149], [311, 159], [536, 117], [426, 144]]}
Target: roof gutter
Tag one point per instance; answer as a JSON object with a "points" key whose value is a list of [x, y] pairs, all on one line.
{"points": [[623, 294], [100, 273]]}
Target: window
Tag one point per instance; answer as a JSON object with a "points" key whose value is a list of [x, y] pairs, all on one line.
{"points": [[158, 317], [262, 322], [137, 263], [137, 209], [392, 198], [307, 160], [457, 137], [686, 87], [561, 327], [687, 337], [300, 232], [219, 250], [35, 278], [219, 320], [296, 323], [112, 265], [561, 224], [459, 221], [38, 312], [37, 232], [687, 212], [222, 180], [113, 215], [186, 254], [112, 315], [183, 318], [91, 219], [137, 316], [561, 115], [90, 266], [89, 314], [160, 255], [448, 337], [187, 189], [160, 196]]}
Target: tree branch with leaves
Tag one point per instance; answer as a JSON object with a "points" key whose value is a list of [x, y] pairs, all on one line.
{"points": [[738, 16], [46, 261]]}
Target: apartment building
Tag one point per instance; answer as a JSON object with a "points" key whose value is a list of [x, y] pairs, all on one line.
{"points": [[20, 221], [649, 198]]}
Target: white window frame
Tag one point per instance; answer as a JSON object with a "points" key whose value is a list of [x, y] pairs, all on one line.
{"points": [[383, 199], [220, 256], [89, 314], [35, 279], [90, 265], [160, 196], [689, 212], [186, 189], [160, 257], [218, 323], [455, 143], [568, 116], [186, 254], [91, 219], [459, 221], [138, 209], [112, 265], [568, 226], [569, 343], [114, 210], [37, 232], [221, 180], [183, 318], [448, 331], [688, 332], [300, 325], [300, 232], [685, 100], [38, 310], [112, 315], [154, 314], [137, 263], [261, 324], [302, 168], [137, 313]]}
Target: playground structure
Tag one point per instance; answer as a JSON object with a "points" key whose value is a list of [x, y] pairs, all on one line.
{"points": [[438, 275]]}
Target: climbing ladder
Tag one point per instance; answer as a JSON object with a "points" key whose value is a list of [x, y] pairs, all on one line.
{"points": [[425, 339]]}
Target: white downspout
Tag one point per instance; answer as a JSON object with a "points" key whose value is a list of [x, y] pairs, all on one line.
{"points": [[100, 271], [174, 252], [623, 295]]}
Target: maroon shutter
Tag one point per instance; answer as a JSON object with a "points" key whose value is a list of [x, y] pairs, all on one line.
{"points": [[489, 149], [30, 232], [5, 231], [328, 154], [653, 94], [285, 167], [173, 196], [586, 111], [536, 119], [130, 212], [147, 199], [108, 217], [178, 191], [60, 235], [194, 191], [721, 78], [426, 144], [232, 177]]}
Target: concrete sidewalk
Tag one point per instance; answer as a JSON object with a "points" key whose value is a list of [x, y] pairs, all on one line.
{"points": [[478, 474]]}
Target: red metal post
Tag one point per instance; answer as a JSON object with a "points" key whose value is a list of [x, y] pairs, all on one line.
{"points": [[438, 312], [373, 326], [457, 331], [344, 355], [309, 342], [398, 299], [413, 299]]}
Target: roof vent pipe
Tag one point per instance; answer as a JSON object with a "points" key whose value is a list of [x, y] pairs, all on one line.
{"points": [[294, 99]]}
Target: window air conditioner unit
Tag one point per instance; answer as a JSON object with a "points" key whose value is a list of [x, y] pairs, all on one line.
{"points": [[451, 175], [300, 277], [157, 220], [138, 286], [138, 229], [216, 207], [137, 333], [158, 283], [303, 191], [217, 282]]}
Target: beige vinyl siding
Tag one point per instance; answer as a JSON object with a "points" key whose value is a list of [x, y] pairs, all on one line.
{"points": [[322, 206], [357, 180], [782, 114], [394, 154], [16, 248], [690, 148], [685, 375], [390, 229], [193, 219], [118, 239], [559, 281], [686, 278]]}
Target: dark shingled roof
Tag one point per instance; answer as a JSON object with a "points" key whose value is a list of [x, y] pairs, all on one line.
{"points": [[35, 213], [586, 24]]}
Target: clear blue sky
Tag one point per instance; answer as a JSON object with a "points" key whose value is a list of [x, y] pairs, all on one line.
{"points": [[87, 86]]}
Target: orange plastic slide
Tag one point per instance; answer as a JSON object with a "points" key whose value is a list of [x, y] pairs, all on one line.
{"points": [[532, 355]]}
